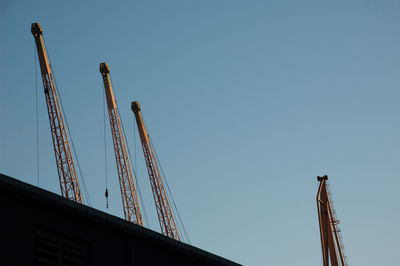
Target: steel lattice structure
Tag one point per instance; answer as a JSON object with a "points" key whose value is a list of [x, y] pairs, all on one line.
{"points": [[331, 241], [128, 190], [164, 212], [65, 164]]}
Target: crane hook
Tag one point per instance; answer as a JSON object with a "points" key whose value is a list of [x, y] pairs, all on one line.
{"points": [[106, 194]]}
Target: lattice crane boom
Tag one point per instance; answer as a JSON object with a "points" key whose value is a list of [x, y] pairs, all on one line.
{"points": [[128, 190], [65, 164], [164, 211], [331, 241]]}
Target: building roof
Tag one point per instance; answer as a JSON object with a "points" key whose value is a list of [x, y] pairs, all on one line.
{"points": [[44, 197]]}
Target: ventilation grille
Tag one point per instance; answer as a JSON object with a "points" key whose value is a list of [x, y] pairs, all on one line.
{"points": [[51, 250]]}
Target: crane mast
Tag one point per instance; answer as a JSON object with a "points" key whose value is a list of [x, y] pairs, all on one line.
{"points": [[128, 190], [65, 163], [164, 212], [331, 241]]}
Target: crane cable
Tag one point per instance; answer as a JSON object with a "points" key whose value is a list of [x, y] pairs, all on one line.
{"points": [[88, 201], [105, 149], [337, 227], [175, 208], [37, 120]]}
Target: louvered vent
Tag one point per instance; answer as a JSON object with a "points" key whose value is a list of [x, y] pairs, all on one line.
{"points": [[55, 251]]}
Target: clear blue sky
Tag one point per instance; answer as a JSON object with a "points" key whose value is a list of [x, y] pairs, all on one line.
{"points": [[246, 102]]}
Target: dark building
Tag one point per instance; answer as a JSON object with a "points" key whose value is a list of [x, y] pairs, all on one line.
{"points": [[38, 227]]}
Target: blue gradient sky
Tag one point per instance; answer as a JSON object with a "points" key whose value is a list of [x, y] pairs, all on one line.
{"points": [[246, 102]]}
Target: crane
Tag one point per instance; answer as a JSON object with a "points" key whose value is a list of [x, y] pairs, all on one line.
{"points": [[65, 163], [331, 240], [128, 190], [164, 212]]}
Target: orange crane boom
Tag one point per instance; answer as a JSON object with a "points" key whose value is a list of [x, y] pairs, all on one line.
{"points": [[65, 163], [128, 190], [164, 212], [332, 247]]}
